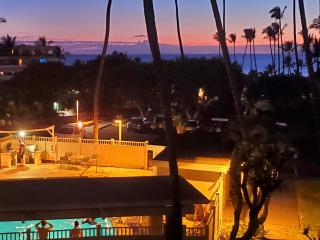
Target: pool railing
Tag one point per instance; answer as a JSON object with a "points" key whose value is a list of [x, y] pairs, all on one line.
{"points": [[114, 233]]}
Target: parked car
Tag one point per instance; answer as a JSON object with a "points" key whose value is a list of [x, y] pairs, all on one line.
{"points": [[138, 124], [217, 124], [158, 123], [70, 130], [192, 126]]}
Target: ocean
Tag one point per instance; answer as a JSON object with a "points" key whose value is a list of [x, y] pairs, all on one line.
{"points": [[263, 60]]}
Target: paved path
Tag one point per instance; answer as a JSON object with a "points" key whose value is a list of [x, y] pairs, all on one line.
{"points": [[283, 217]]}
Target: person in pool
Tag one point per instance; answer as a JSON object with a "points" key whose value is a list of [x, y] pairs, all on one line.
{"points": [[90, 221], [43, 230], [76, 231]]}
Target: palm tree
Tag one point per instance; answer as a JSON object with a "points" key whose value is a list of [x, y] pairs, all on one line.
{"points": [[97, 89], [174, 224], [312, 79], [270, 35], [42, 41], [295, 46], [60, 53], [278, 14], [235, 175], [232, 39], [246, 36], [217, 38], [253, 34], [178, 29], [249, 35], [9, 43], [276, 29], [287, 48]]}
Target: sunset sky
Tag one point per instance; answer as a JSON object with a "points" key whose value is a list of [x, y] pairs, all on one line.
{"points": [[83, 20]]}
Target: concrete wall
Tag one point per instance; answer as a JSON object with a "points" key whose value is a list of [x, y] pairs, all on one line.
{"points": [[110, 153]]}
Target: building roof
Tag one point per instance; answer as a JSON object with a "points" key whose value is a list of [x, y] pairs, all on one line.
{"points": [[82, 197]]}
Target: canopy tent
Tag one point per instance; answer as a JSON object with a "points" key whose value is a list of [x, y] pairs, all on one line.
{"points": [[50, 130], [95, 197]]}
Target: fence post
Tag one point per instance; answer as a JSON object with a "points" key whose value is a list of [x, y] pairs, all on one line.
{"points": [[28, 234], [207, 231], [184, 232], [98, 230], [80, 142], [146, 155]]}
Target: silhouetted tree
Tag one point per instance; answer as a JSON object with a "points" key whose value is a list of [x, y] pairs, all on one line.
{"points": [[42, 41], [232, 39], [9, 43], [271, 36], [178, 29], [312, 79], [97, 89], [295, 45], [174, 224]]}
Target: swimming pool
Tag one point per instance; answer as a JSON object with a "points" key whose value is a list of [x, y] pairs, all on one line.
{"points": [[58, 224]]}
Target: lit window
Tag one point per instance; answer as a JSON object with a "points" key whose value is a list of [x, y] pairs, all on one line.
{"points": [[43, 60]]}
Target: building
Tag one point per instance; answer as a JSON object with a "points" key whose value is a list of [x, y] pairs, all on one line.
{"points": [[23, 55]]}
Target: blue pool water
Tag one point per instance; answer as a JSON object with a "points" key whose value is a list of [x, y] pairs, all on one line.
{"points": [[58, 224]]}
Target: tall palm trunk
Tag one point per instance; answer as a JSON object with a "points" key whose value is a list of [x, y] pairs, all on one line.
{"points": [[281, 38], [254, 55], [178, 30], [274, 55], [250, 49], [235, 179], [279, 53], [97, 89], [244, 54], [234, 51], [270, 45], [174, 224], [295, 37], [312, 78]]}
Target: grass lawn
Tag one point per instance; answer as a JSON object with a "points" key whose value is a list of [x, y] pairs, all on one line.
{"points": [[308, 195]]}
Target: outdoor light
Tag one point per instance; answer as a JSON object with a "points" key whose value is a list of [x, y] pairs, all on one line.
{"points": [[80, 124], [22, 133], [120, 128], [77, 109]]}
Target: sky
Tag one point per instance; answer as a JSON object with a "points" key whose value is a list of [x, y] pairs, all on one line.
{"points": [[83, 20]]}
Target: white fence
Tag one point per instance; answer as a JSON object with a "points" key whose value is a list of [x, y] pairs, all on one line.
{"points": [[111, 153]]}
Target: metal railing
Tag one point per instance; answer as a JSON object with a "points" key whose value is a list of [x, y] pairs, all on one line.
{"points": [[114, 233]]}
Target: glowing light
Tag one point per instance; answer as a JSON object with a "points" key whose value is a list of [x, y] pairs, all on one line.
{"points": [[1, 73], [201, 93], [22, 133], [120, 128], [20, 61], [80, 124]]}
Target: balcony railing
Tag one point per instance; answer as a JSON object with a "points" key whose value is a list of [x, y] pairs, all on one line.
{"points": [[114, 233]]}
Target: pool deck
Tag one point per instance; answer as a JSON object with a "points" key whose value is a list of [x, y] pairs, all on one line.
{"points": [[50, 170]]}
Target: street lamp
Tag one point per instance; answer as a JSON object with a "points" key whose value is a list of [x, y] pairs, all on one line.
{"points": [[77, 108], [120, 128]]}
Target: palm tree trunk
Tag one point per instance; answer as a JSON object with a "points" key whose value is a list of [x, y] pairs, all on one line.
{"points": [[274, 55], [178, 30], [97, 89], [254, 56], [234, 51], [281, 38], [236, 99], [244, 54], [279, 54], [295, 37], [270, 45], [174, 225], [312, 78], [250, 56]]}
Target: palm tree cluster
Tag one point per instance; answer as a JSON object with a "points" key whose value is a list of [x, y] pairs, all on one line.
{"points": [[9, 43]]}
